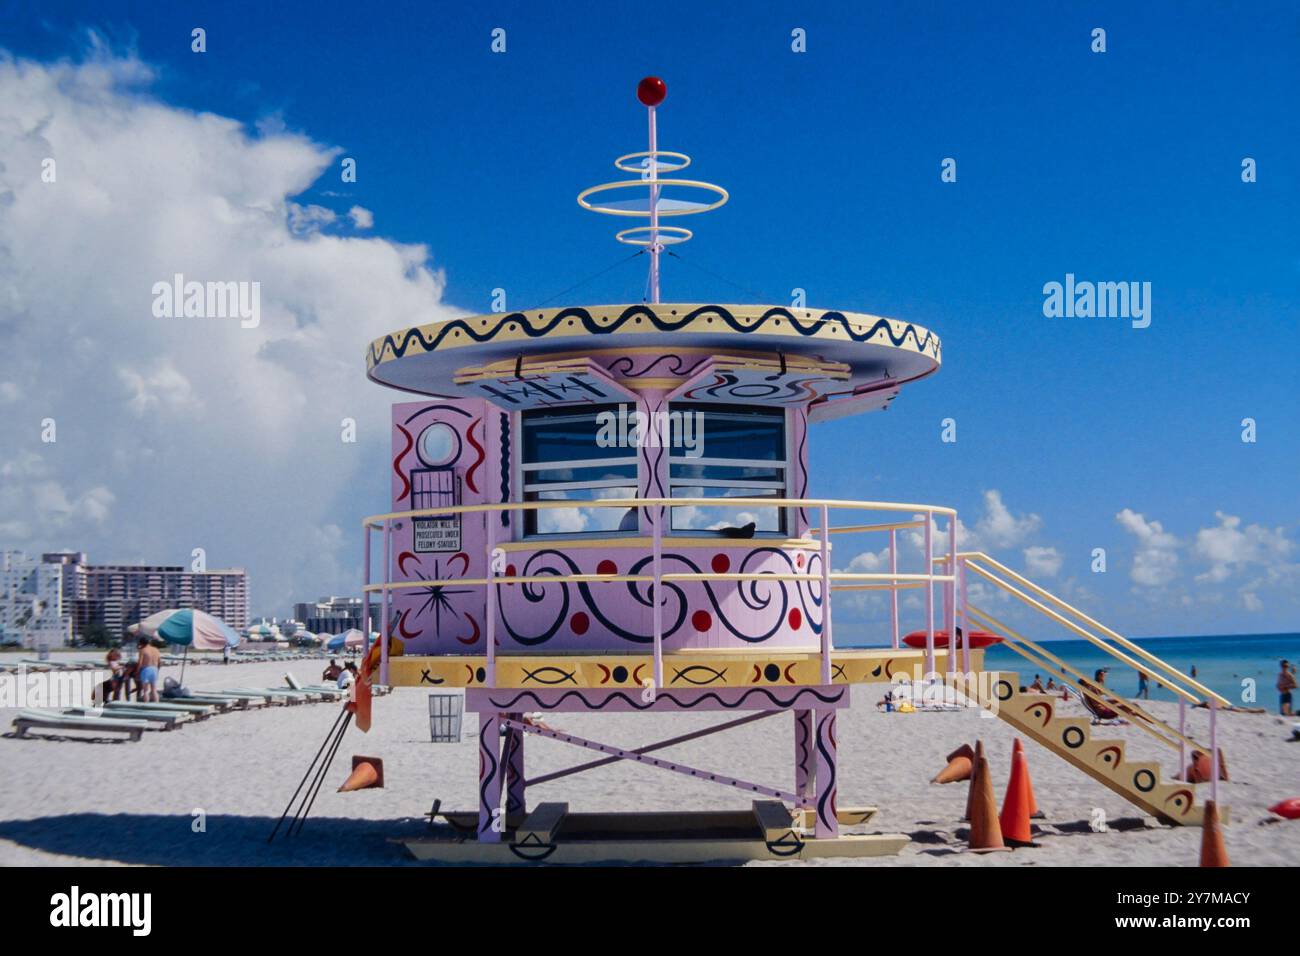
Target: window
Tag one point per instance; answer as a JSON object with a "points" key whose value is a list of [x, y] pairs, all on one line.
{"points": [[738, 452], [562, 460]]}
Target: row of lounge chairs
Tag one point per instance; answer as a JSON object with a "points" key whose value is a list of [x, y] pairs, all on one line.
{"points": [[134, 718]]}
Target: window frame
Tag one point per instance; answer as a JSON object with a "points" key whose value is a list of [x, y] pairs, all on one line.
{"points": [[530, 492], [781, 465]]}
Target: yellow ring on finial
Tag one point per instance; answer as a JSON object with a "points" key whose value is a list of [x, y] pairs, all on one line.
{"points": [[676, 236], [685, 161], [722, 194]]}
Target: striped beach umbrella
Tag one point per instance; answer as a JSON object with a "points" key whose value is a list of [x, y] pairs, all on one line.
{"points": [[190, 628]]}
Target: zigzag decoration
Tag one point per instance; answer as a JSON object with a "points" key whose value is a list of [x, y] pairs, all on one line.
{"points": [[396, 345]]}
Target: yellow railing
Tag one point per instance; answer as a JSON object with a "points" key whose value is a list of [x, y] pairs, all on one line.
{"points": [[894, 580], [1185, 688]]}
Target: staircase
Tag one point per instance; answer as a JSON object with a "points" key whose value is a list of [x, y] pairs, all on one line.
{"points": [[1138, 781], [1039, 716]]}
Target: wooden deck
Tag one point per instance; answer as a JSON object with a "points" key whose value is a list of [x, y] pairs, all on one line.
{"points": [[696, 668]]}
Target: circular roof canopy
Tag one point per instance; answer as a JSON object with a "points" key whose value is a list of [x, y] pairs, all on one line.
{"points": [[425, 358]]}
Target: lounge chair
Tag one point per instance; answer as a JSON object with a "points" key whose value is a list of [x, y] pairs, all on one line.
{"points": [[52, 720], [156, 720]]}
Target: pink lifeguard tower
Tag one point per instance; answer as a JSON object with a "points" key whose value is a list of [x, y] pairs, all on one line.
{"points": [[608, 508]]}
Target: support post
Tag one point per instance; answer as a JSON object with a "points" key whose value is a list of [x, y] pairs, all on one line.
{"points": [[490, 616], [1214, 751], [828, 823], [950, 596], [489, 777], [893, 590], [365, 593], [826, 595], [1182, 739], [929, 595], [383, 606], [965, 616], [805, 767], [657, 611], [516, 799]]}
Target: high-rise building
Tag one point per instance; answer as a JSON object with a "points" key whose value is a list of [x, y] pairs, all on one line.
{"points": [[33, 609], [78, 599], [329, 615]]}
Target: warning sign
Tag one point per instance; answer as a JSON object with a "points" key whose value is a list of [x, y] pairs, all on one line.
{"points": [[437, 534]]}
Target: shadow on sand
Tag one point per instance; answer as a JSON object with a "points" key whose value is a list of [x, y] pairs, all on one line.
{"points": [[169, 840]]}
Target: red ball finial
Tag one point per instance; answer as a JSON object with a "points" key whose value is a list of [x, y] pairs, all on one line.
{"points": [[651, 91]]}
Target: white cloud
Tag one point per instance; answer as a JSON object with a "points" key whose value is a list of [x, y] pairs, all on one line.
{"points": [[1229, 547], [309, 219], [362, 218], [163, 388], [181, 433], [999, 528], [1155, 562], [1042, 561]]}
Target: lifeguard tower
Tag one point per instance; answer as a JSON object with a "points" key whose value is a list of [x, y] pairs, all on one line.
{"points": [[608, 508]]}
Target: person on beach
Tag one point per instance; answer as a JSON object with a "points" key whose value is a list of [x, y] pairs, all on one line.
{"points": [[150, 659], [1051, 684], [1144, 686], [333, 671], [1037, 686], [1286, 683], [225, 654], [348, 676]]}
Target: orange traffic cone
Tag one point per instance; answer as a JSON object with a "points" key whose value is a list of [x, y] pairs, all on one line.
{"points": [[1034, 812], [1014, 820], [1200, 770], [366, 772], [985, 830], [974, 781], [1213, 852], [959, 766]]}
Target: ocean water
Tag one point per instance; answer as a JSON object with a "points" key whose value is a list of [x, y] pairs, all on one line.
{"points": [[1224, 663]]}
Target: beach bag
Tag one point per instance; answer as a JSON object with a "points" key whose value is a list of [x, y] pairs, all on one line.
{"points": [[173, 688]]}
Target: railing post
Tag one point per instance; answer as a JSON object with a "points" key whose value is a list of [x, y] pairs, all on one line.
{"points": [[965, 615], [950, 596], [490, 616], [383, 606], [893, 584], [658, 608], [826, 595], [1182, 738], [365, 588], [1214, 751], [929, 594]]}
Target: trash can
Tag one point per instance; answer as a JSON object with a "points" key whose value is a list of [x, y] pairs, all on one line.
{"points": [[445, 710]]}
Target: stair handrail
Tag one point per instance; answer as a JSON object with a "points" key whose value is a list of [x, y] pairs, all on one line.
{"points": [[988, 620], [972, 559]]}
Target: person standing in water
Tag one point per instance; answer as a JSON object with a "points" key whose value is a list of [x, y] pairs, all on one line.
{"points": [[1144, 686], [1286, 683]]}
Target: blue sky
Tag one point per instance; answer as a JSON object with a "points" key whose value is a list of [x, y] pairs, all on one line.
{"points": [[1124, 165]]}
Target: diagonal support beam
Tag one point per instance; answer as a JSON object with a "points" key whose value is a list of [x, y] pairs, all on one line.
{"points": [[650, 748], [632, 755]]}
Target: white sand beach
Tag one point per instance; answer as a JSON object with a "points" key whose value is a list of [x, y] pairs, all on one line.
{"points": [[75, 802]]}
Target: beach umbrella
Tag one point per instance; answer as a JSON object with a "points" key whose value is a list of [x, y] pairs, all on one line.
{"points": [[189, 627], [264, 632], [349, 638]]}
